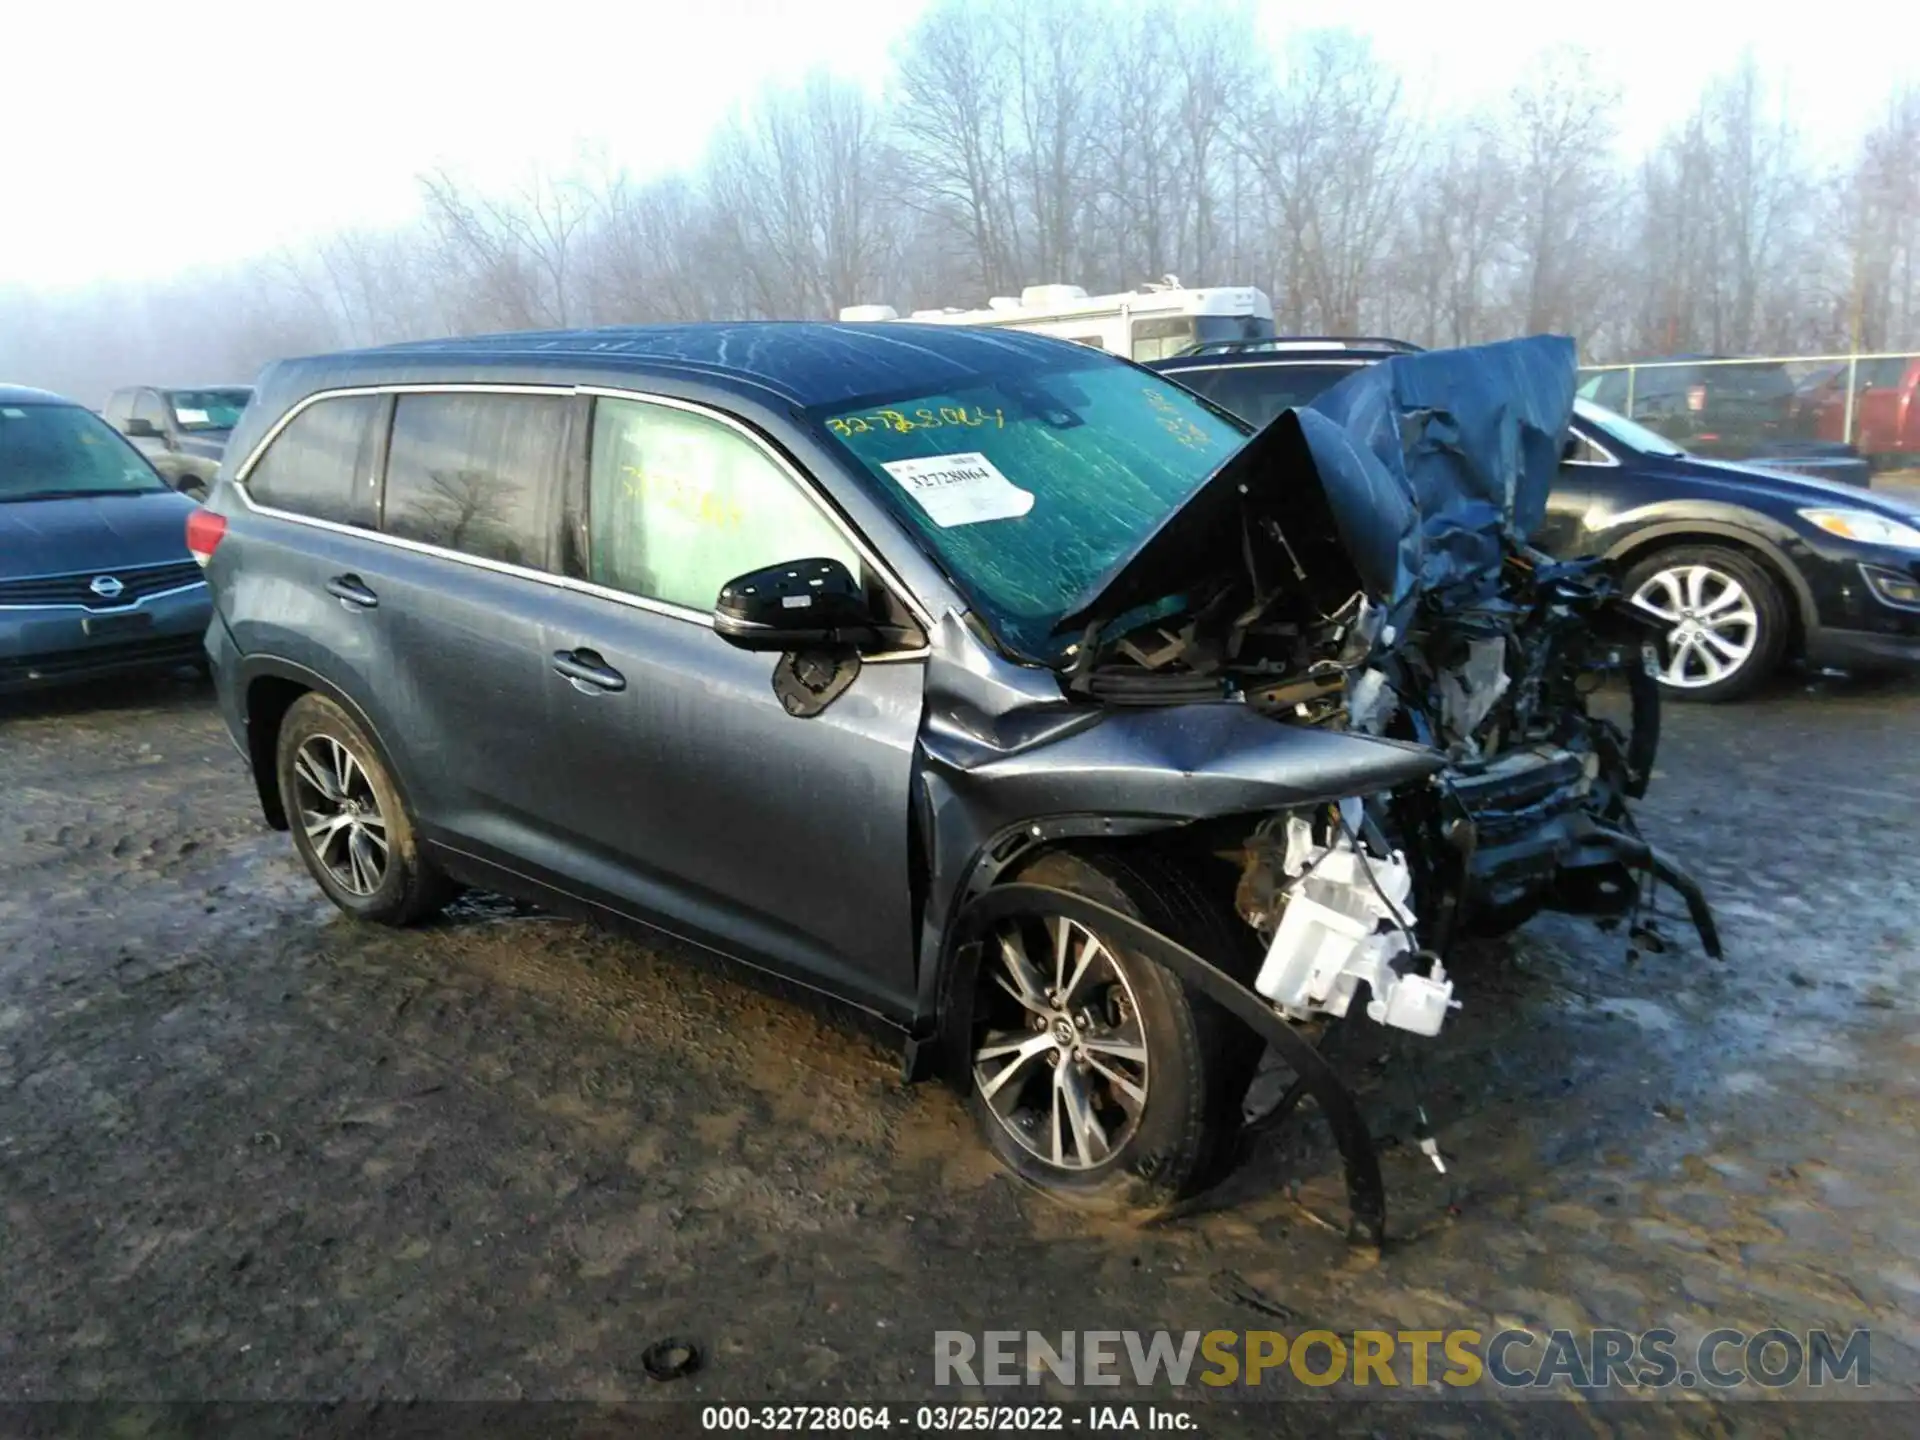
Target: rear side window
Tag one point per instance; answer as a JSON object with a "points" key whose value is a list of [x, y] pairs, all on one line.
{"points": [[680, 504], [1259, 393], [322, 464], [478, 473]]}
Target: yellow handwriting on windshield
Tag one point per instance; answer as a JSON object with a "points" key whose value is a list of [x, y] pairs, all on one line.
{"points": [[901, 422], [1177, 424]]}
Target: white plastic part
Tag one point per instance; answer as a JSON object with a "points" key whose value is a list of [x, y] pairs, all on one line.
{"points": [[1346, 922], [1469, 692], [1370, 702]]}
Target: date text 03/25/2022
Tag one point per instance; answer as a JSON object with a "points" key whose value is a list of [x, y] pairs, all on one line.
{"points": [[941, 1419]]}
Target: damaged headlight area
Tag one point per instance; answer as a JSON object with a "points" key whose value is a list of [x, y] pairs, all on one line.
{"points": [[1365, 565]]}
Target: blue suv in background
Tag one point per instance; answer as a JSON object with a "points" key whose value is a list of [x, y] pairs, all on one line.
{"points": [[95, 574]]}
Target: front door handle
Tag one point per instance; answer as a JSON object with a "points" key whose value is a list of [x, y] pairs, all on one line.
{"points": [[352, 592], [587, 671]]}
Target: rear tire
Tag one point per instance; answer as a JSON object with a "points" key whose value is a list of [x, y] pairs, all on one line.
{"points": [[1727, 619], [1144, 1152], [348, 821]]}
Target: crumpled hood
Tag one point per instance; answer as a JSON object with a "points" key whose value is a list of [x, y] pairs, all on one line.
{"points": [[1407, 479]]}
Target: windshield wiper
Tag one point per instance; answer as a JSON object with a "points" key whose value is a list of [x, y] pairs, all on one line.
{"points": [[79, 494]]}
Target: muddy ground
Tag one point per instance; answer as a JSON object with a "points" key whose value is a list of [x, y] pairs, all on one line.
{"points": [[250, 1150]]}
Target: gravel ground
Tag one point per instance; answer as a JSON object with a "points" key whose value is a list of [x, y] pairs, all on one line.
{"points": [[249, 1150]]}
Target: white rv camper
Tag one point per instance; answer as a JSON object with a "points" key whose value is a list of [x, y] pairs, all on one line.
{"points": [[1143, 324]]}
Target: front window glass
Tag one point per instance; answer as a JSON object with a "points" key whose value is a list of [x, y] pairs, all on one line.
{"points": [[1027, 488], [208, 409], [1629, 433], [56, 452], [680, 504]]}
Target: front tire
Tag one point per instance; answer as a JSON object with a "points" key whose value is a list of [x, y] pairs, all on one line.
{"points": [[347, 818], [1095, 1075], [1726, 619]]}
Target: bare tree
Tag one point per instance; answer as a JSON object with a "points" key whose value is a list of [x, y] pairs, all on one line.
{"points": [[510, 259], [1562, 127], [954, 93], [1215, 78], [1104, 142], [1455, 241], [648, 253], [1882, 226], [800, 189]]}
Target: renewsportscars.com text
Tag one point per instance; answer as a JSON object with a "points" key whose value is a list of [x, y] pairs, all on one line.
{"points": [[1510, 1359]]}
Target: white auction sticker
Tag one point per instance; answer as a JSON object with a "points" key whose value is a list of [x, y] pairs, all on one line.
{"points": [[960, 489], [191, 417]]}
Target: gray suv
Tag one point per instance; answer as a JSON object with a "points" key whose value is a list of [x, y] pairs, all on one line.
{"points": [[992, 684], [183, 432]]}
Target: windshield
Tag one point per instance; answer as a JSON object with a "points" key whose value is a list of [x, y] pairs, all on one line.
{"points": [[52, 452], [1630, 434], [208, 409], [1028, 488]]}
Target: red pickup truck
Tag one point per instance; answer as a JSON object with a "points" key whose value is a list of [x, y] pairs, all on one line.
{"points": [[1886, 409]]}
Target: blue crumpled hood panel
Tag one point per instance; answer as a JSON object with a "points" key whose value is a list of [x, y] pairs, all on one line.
{"points": [[1415, 473], [1433, 464]]}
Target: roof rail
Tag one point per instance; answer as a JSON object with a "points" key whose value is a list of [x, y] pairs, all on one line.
{"points": [[1306, 342]]}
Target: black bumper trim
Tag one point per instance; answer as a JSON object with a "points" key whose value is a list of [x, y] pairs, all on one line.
{"points": [[1863, 649]]}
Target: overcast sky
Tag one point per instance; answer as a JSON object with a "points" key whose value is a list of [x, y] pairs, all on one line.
{"points": [[144, 140]]}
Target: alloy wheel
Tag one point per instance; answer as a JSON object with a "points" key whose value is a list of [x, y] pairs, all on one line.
{"points": [[341, 814], [1713, 623], [1062, 1062]]}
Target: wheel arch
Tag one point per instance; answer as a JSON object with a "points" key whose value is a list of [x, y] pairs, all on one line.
{"points": [[269, 688], [1002, 860], [1803, 614]]}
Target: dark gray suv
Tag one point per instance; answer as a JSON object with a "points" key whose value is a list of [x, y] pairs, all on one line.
{"points": [[995, 685]]}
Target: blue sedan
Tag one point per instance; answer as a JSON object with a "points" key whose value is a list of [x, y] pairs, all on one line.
{"points": [[95, 574]]}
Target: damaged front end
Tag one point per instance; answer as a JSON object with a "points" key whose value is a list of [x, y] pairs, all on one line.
{"points": [[1364, 566]]}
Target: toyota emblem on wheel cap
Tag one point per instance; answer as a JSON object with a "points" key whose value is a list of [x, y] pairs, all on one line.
{"points": [[106, 586]]}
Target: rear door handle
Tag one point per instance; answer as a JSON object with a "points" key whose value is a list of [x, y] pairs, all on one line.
{"points": [[587, 671], [352, 592]]}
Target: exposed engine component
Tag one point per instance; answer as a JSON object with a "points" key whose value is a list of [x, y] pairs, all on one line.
{"points": [[1343, 917]]}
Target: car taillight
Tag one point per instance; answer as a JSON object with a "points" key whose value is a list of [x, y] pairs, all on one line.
{"points": [[204, 531]]}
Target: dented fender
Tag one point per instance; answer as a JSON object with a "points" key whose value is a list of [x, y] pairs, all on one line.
{"points": [[1053, 769]]}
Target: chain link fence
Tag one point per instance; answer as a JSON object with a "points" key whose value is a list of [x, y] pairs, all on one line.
{"points": [[1773, 406]]}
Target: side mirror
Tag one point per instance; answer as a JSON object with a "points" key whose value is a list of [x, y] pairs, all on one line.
{"points": [[140, 430], [1569, 449], [802, 605]]}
